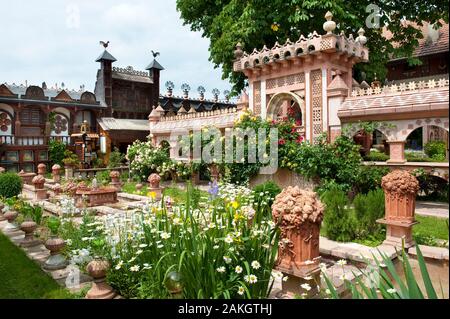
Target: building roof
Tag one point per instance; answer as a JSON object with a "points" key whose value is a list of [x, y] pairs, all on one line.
{"points": [[196, 104], [113, 124], [433, 41], [106, 56], [129, 74], [52, 92], [154, 65]]}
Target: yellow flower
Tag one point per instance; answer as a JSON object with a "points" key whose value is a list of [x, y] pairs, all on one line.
{"points": [[235, 204], [275, 26], [151, 194]]}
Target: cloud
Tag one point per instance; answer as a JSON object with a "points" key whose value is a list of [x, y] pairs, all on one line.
{"points": [[58, 42]]}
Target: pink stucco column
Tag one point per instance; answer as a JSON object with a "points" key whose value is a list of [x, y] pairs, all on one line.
{"points": [[397, 152]]}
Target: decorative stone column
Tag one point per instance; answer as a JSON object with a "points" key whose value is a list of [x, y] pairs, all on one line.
{"points": [[115, 180], [40, 193], [56, 260], [400, 190], [97, 269], [299, 214], [56, 172], [153, 181], [397, 152]]}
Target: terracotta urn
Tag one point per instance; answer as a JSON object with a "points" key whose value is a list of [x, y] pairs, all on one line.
{"points": [[38, 182], [11, 216], [28, 227], [56, 172], [41, 169], [115, 180], [139, 187], [56, 259], [154, 180], [97, 269], [298, 214]]}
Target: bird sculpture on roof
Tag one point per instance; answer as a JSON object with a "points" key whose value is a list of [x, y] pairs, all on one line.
{"points": [[155, 54], [105, 44]]}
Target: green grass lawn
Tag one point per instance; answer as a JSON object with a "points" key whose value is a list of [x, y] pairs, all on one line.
{"points": [[22, 278], [431, 226]]}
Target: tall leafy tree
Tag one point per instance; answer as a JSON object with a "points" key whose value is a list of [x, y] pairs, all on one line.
{"points": [[262, 22]]}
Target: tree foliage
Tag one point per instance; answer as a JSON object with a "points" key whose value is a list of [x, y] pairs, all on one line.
{"points": [[256, 23]]}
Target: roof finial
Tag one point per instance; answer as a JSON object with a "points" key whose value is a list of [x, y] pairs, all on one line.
{"points": [[238, 53], [361, 38], [329, 25]]}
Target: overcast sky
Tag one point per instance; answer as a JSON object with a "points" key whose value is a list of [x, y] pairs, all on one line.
{"points": [[58, 41]]}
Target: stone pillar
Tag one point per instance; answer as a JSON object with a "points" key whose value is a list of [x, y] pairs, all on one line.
{"points": [[397, 152], [400, 190], [115, 180], [68, 170], [154, 187], [299, 214], [40, 193], [56, 172]]}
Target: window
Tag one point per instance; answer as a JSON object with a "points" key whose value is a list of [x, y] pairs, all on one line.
{"points": [[33, 117]]}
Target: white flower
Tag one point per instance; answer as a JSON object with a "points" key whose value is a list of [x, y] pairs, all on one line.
{"points": [[327, 291], [305, 286], [238, 269], [227, 259], [132, 259], [255, 264], [140, 251], [228, 239], [241, 290], [119, 265], [143, 245], [251, 279], [177, 221], [216, 247], [392, 290], [165, 235], [285, 278], [135, 268], [221, 269], [341, 262]]}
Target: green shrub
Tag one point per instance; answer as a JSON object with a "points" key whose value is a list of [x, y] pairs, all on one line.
{"points": [[266, 192], [103, 177], [369, 178], [338, 219], [435, 149], [376, 156], [115, 158], [56, 152], [369, 208], [10, 185]]}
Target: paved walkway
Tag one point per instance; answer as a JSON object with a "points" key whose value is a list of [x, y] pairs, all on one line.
{"points": [[434, 209]]}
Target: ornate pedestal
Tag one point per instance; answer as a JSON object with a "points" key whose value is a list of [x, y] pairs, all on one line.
{"points": [[400, 189], [154, 187], [28, 227], [299, 215], [56, 259], [100, 289]]}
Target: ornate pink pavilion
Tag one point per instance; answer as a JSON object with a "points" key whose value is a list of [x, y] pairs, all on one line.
{"points": [[311, 80]]}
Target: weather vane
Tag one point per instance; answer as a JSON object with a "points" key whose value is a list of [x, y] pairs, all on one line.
{"points": [[155, 54], [105, 44]]}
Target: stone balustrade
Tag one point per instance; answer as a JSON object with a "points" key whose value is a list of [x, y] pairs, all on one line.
{"points": [[193, 115]]}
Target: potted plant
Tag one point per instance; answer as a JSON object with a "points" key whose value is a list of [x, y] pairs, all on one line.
{"points": [[29, 225], [55, 244], [70, 162], [97, 269]]}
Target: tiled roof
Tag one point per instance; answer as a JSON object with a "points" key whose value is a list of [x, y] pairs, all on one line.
{"points": [[52, 92], [112, 124], [427, 47]]}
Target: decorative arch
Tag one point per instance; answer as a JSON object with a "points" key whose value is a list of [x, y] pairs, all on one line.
{"points": [[413, 125], [274, 105], [35, 92], [88, 98]]}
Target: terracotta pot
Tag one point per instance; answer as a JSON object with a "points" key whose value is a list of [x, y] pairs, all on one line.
{"points": [[97, 268], [10, 216], [139, 187], [55, 244], [28, 227]]}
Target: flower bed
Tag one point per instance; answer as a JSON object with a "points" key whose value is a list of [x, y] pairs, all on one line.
{"points": [[226, 249]]}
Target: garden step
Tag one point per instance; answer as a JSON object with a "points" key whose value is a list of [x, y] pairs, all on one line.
{"points": [[354, 251], [437, 253]]}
